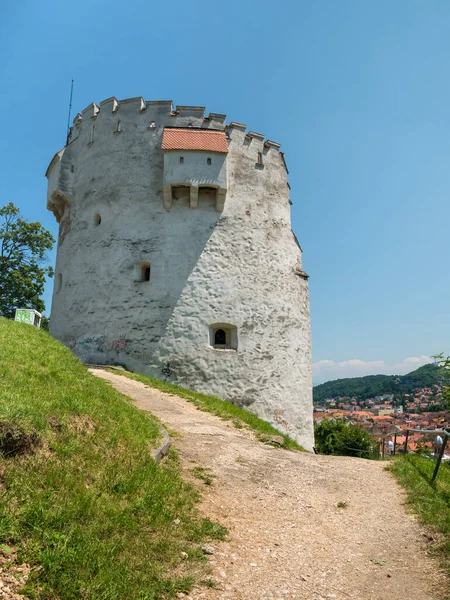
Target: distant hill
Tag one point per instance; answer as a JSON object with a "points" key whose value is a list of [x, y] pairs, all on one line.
{"points": [[375, 385]]}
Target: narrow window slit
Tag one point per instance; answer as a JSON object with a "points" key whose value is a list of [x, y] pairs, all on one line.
{"points": [[143, 269]]}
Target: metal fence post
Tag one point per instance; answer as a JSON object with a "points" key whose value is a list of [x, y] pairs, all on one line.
{"points": [[439, 460]]}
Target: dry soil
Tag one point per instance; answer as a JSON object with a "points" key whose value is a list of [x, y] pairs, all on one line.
{"points": [[301, 526]]}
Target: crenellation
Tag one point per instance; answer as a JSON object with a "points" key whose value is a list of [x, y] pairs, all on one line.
{"points": [[91, 111], [161, 113], [255, 136], [138, 101], [77, 120], [114, 104], [191, 111], [211, 226], [233, 126], [215, 121], [166, 105], [269, 144]]}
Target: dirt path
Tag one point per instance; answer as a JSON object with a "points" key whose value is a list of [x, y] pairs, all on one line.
{"points": [[288, 539]]}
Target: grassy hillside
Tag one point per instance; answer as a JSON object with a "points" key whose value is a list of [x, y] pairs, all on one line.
{"points": [[87, 506], [226, 410], [375, 385], [431, 501]]}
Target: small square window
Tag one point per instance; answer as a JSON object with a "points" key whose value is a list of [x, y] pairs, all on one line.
{"points": [[223, 336], [143, 269]]}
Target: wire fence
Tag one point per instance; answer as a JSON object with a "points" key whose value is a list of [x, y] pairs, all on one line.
{"points": [[438, 445]]}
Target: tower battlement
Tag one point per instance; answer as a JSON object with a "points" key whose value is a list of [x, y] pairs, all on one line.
{"points": [[163, 114], [175, 247]]}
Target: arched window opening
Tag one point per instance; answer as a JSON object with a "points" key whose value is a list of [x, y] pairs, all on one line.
{"points": [[260, 160], [207, 195], [223, 336], [220, 337], [97, 219], [181, 194], [208, 161], [146, 273]]}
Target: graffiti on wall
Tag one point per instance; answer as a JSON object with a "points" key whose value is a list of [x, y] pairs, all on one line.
{"points": [[278, 417]]}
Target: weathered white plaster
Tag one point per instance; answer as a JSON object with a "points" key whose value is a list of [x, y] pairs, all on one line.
{"points": [[240, 266], [195, 169]]}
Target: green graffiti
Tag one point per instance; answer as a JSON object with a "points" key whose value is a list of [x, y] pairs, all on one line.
{"points": [[24, 316]]}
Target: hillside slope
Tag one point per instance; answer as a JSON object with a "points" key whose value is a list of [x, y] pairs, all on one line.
{"points": [[375, 385], [86, 505], [302, 526]]}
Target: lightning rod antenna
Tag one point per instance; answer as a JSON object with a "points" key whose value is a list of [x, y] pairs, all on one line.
{"points": [[70, 110]]}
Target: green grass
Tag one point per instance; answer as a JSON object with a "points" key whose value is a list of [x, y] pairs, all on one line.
{"points": [[89, 509], [203, 474], [216, 406], [431, 501]]}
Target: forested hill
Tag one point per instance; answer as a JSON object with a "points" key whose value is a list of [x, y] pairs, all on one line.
{"points": [[375, 385]]}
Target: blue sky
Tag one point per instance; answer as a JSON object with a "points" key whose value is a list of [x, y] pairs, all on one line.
{"points": [[358, 94]]}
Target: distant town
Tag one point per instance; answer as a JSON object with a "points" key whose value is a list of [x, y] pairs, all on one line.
{"points": [[388, 416]]}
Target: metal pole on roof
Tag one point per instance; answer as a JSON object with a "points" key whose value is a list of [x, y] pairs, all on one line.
{"points": [[70, 109]]}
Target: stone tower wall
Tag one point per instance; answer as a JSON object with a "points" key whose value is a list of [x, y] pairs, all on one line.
{"points": [[239, 265]]}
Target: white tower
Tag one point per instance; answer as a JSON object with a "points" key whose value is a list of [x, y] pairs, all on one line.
{"points": [[175, 247]]}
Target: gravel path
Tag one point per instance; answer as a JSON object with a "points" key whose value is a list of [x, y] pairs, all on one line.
{"points": [[288, 538]]}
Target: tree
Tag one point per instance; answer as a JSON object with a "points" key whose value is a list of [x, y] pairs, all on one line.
{"points": [[45, 323], [23, 248], [335, 436], [444, 363]]}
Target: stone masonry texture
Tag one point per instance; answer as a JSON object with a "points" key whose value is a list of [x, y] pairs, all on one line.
{"points": [[234, 264]]}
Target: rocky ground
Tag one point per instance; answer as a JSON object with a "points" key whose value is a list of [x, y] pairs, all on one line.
{"points": [[302, 527], [13, 575]]}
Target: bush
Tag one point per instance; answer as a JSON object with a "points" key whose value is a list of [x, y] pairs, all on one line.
{"points": [[335, 436]]}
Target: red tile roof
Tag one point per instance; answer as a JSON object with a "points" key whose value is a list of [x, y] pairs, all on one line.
{"points": [[194, 139]]}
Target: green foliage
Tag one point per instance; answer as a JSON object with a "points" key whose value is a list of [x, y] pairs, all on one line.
{"points": [[203, 474], [444, 364], [23, 248], [221, 408], [45, 323], [90, 509], [376, 385], [431, 501], [335, 436]]}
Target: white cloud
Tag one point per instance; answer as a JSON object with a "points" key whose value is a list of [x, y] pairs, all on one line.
{"points": [[327, 370]]}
